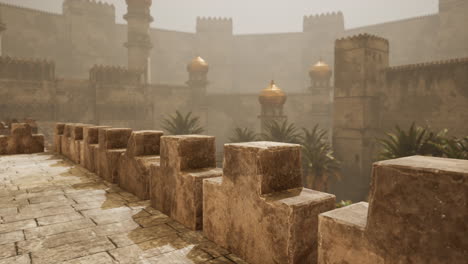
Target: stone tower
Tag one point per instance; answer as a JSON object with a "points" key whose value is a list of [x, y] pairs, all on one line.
{"points": [[139, 43], [359, 62], [214, 39], [272, 100]]}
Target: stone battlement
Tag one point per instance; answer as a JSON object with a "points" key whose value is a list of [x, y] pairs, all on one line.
{"points": [[214, 24], [26, 69], [258, 198], [36, 11], [415, 214], [88, 7], [115, 75], [429, 65], [21, 141], [314, 22], [447, 5], [362, 40]]}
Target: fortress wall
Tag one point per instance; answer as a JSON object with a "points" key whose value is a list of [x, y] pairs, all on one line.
{"points": [[74, 101], [34, 34], [171, 52], [26, 99], [259, 58], [166, 100], [453, 21], [435, 94], [411, 40], [309, 109], [214, 41]]}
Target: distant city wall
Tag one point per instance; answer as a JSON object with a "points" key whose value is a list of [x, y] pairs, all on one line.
{"points": [[86, 34]]}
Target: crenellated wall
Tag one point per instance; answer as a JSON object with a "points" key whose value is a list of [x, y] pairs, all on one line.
{"points": [[372, 98], [434, 93], [86, 34]]}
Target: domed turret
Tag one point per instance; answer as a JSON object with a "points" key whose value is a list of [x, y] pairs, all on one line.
{"points": [[198, 65], [272, 95], [320, 71]]}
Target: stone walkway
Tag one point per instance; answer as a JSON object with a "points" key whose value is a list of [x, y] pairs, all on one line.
{"points": [[52, 211]]}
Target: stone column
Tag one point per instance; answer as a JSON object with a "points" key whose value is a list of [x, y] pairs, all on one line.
{"points": [[139, 43]]}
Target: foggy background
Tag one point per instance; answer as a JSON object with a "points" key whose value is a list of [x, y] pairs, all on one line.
{"points": [[262, 16]]}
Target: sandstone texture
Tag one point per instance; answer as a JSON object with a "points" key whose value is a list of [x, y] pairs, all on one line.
{"points": [[21, 141], [58, 133], [134, 170], [90, 147], [177, 183], [53, 211], [416, 214], [112, 144], [259, 210]]}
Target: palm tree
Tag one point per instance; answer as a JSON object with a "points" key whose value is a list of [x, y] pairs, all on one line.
{"points": [[243, 135], [179, 124], [284, 132], [417, 141], [319, 162], [456, 148]]}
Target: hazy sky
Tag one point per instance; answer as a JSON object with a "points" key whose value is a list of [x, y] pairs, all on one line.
{"points": [[262, 16]]}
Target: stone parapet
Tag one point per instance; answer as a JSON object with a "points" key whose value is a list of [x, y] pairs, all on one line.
{"points": [[90, 147], [176, 185], [58, 134], [21, 141], [112, 144], [416, 214], [259, 209], [142, 151], [112, 75], [76, 143], [26, 69]]}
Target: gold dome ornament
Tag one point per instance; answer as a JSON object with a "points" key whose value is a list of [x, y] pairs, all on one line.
{"points": [[198, 65], [272, 95], [320, 71]]}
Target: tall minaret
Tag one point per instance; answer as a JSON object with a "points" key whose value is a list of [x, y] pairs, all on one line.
{"points": [[139, 43], [198, 81], [272, 100], [2, 28], [320, 76]]}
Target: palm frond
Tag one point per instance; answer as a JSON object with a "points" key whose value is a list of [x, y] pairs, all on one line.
{"points": [[180, 124]]}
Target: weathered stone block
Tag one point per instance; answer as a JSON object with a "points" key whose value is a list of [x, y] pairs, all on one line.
{"points": [[259, 210], [76, 141], [65, 140], [176, 185], [418, 205], [112, 144], [342, 236], [22, 141], [90, 147], [143, 150], [3, 145], [417, 208], [58, 133]]}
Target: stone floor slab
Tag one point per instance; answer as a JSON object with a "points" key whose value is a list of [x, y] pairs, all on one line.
{"points": [[56, 212]]}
